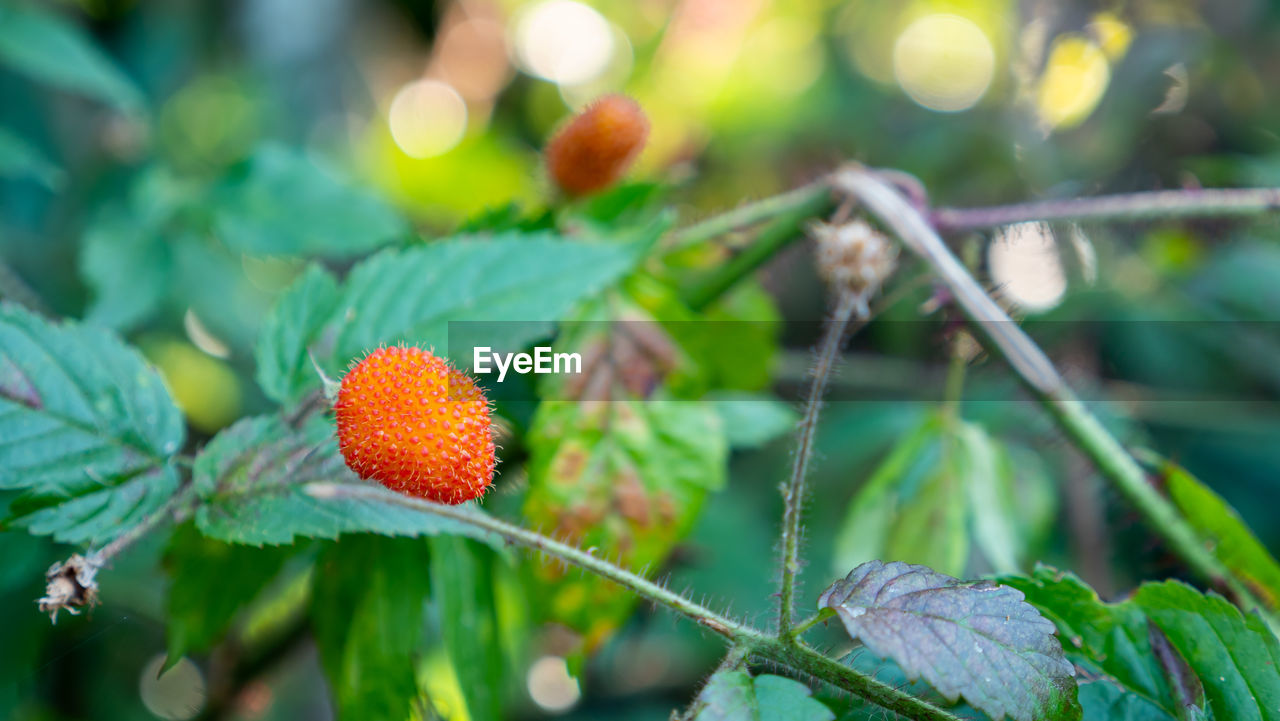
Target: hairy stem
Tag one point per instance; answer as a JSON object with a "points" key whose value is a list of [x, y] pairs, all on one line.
{"points": [[1161, 204], [176, 506], [1005, 337], [793, 492], [812, 198], [757, 642]]}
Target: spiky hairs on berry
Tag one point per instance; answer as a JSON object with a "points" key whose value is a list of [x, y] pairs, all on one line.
{"points": [[595, 149], [416, 425]]}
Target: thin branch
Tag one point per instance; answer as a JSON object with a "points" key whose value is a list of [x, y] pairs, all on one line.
{"points": [[793, 493], [799, 657], [1155, 205], [1005, 337], [813, 197]]}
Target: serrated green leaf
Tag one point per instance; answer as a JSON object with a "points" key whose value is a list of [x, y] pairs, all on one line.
{"points": [[413, 294], [367, 615], [1106, 639], [211, 582], [733, 695], [1224, 533], [283, 203], [88, 428], [978, 640], [52, 50], [626, 477], [20, 159], [257, 478], [297, 320], [1235, 656], [463, 589]]}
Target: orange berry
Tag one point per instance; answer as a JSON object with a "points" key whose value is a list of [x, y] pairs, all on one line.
{"points": [[594, 150], [409, 421]]}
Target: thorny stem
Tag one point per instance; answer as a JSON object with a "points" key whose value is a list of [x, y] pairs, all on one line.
{"points": [[793, 492], [755, 641], [1004, 336], [803, 198], [1160, 204]]}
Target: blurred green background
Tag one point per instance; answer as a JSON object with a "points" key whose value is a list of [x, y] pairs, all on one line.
{"points": [[165, 167]]}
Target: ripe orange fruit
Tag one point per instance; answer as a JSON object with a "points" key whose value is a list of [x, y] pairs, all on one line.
{"points": [[594, 150], [416, 425]]}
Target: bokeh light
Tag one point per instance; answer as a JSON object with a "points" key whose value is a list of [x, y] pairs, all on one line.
{"points": [[427, 118], [1074, 80], [178, 693], [1025, 265], [471, 54], [550, 685], [944, 62], [563, 41], [205, 388]]}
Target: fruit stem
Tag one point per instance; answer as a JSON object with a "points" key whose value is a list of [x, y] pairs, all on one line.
{"points": [[753, 640], [1001, 335], [793, 492]]}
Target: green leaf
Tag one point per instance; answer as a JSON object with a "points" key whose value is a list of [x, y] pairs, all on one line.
{"points": [[1234, 656], [258, 482], [50, 49], [297, 320], [1103, 699], [367, 617], [87, 427], [944, 483], [733, 695], [463, 589], [626, 477], [210, 583], [986, 474], [412, 295], [1223, 532], [751, 420], [912, 508], [978, 640], [20, 159], [283, 203]]}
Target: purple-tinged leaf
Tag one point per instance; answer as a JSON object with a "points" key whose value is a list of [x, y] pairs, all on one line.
{"points": [[978, 640]]}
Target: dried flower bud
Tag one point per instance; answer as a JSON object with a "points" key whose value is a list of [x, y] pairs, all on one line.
{"points": [[854, 257], [70, 586]]}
